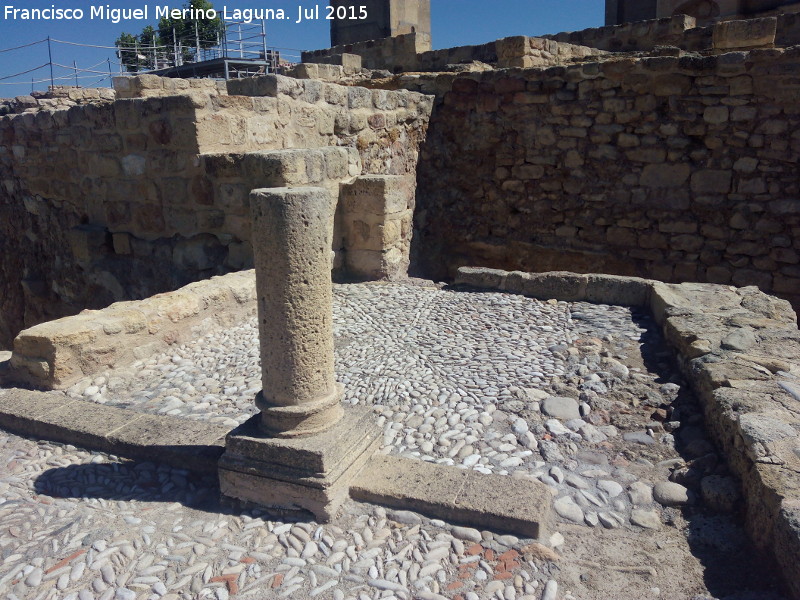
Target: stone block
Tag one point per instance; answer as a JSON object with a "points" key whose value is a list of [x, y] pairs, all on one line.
{"points": [[480, 277], [569, 287], [495, 502], [351, 63], [752, 33], [311, 473], [254, 86], [150, 82], [711, 181], [665, 175], [83, 424], [21, 409], [287, 167], [374, 265], [618, 290], [194, 445], [378, 195], [716, 115], [122, 84], [172, 440], [87, 242]]}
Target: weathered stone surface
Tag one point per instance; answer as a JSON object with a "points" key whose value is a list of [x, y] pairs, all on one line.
{"points": [[561, 408], [761, 433], [740, 339], [56, 354], [185, 444], [665, 176], [641, 494], [521, 507], [648, 519], [720, 493], [377, 212], [670, 494], [579, 187], [132, 197], [566, 508], [291, 241], [311, 473], [753, 33]]}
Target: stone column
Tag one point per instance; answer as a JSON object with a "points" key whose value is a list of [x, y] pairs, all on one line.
{"points": [[291, 236]]}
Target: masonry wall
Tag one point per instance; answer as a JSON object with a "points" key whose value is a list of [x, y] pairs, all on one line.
{"points": [[56, 97], [411, 52], [680, 30], [675, 168], [114, 201]]}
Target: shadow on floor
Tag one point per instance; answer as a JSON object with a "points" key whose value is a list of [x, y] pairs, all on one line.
{"points": [[145, 481]]}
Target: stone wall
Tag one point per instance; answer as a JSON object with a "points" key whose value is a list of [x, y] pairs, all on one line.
{"points": [[516, 51], [680, 31], [675, 168], [412, 52], [152, 86], [56, 97], [112, 201]]}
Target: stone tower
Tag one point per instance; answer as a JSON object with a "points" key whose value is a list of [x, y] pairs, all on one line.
{"points": [[386, 18]]}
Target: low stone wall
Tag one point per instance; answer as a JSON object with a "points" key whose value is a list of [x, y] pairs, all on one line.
{"points": [[57, 97], [55, 354], [740, 350], [153, 86], [412, 52], [680, 168]]}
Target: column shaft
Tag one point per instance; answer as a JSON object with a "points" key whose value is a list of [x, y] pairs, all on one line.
{"points": [[291, 236]]}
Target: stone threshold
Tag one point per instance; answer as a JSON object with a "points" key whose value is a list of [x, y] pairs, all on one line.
{"points": [[495, 502], [181, 443], [740, 351]]}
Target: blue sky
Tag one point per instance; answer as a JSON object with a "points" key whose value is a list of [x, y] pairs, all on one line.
{"points": [[454, 23]]}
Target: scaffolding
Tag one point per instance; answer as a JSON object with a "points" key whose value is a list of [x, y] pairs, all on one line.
{"points": [[240, 50]]}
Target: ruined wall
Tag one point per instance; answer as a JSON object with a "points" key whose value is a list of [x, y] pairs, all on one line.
{"points": [[398, 53], [641, 35], [412, 52], [56, 97], [515, 51], [675, 168], [679, 30], [113, 201], [153, 86]]}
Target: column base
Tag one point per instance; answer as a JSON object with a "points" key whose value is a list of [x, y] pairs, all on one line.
{"points": [[300, 420], [304, 474]]}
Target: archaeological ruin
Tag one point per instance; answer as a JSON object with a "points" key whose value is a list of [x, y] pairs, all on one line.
{"points": [[514, 320]]}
